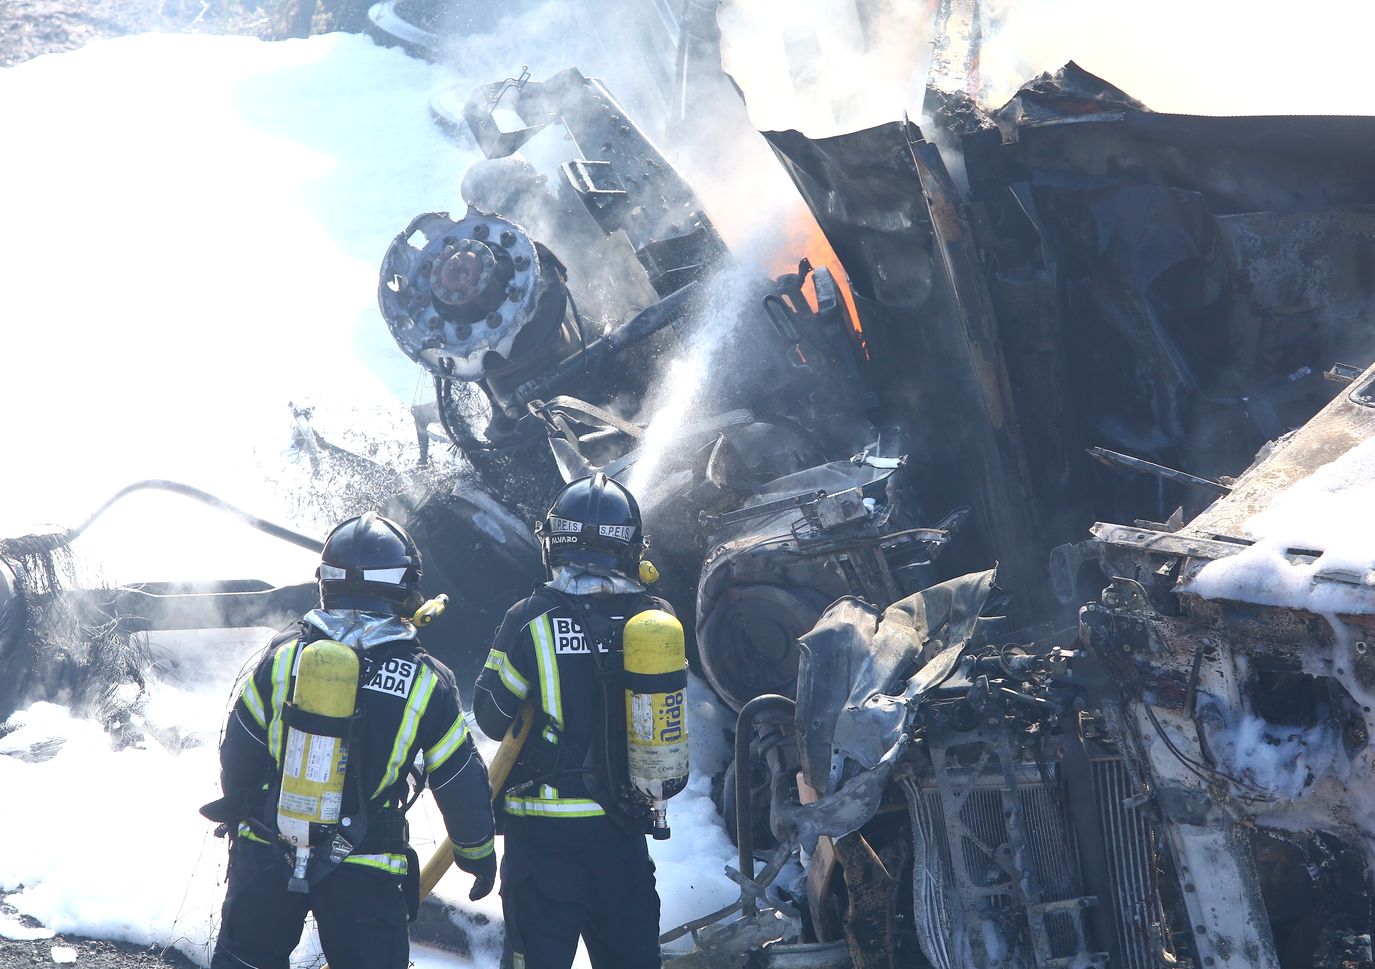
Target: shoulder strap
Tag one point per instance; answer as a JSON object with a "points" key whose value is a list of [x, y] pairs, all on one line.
{"points": [[602, 629]]}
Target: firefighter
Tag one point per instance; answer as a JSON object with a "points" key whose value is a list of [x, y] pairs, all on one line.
{"points": [[575, 861], [355, 871]]}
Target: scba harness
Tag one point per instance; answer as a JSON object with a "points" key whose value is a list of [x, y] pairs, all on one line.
{"points": [[601, 764], [323, 815]]}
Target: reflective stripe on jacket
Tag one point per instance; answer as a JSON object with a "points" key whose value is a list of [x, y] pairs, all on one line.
{"points": [[410, 710]]}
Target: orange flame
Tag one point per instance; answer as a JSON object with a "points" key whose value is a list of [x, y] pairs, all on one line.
{"points": [[803, 237]]}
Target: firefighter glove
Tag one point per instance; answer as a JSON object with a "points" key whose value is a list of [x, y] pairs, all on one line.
{"points": [[480, 861]]}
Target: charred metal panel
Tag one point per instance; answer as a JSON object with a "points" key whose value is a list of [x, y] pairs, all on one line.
{"points": [[1240, 164], [863, 190], [1166, 286], [1343, 424], [1252, 722], [1204, 272], [894, 217], [618, 175]]}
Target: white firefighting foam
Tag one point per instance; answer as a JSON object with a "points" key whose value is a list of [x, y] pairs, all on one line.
{"points": [[196, 244], [1329, 512]]}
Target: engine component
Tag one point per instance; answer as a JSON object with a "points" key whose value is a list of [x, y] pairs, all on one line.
{"points": [[475, 297], [628, 187], [656, 710], [805, 541], [316, 757]]}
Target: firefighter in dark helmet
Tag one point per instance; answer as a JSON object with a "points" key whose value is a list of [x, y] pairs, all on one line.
{"points": [[320, 760], [575, 861]]}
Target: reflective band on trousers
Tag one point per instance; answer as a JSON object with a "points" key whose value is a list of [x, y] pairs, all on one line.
{"points": [[562, 807]]}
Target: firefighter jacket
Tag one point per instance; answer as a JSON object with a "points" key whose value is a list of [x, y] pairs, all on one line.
{"points": [[565, 651], [409, 705]]}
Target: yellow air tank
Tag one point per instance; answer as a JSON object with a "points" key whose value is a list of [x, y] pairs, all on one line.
{"points": [[314, 762], [656, 710]]}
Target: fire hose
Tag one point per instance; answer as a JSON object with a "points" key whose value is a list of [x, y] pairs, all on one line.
{"points": [[502, 763], [52, 541]]}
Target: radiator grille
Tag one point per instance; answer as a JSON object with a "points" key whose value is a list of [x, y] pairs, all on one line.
{"points": [[987, 833], [982, 817], [973, 820], [1131, 868]]}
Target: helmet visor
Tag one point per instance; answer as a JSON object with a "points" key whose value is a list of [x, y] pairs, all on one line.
{"points": [[392, 576]]}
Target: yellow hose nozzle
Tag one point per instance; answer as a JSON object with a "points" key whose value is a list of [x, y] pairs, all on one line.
{"points": [[431, 610]]}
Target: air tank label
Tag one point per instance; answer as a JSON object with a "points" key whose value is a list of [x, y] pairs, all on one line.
{"points": [[320, 760], [301, 804], [295, 752], [395, 676], [641, 715], [656, 719]]}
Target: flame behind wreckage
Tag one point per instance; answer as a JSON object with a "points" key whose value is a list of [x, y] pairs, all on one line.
{"points": [[1030, 768]]}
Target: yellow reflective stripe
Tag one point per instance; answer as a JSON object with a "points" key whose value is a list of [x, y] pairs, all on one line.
{"points": [[282, 668], [246, 832], [562, 807], [410, 723], [543, 634], [474, 851], [254, 702], [450, 742], [391, 862], [511, 677]]}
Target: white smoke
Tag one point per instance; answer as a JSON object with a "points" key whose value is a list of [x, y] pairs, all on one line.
{"points": [[1222, 57], [821, 67]]}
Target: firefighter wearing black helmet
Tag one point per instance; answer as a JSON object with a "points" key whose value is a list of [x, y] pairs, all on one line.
{"points": [[361, 888], [575, 863]]}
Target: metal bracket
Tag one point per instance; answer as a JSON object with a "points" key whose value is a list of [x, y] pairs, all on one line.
{"points": [[1165, 543]]}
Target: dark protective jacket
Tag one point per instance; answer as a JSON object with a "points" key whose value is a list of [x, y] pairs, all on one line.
{"points": [[409, 704], [565, 651]]}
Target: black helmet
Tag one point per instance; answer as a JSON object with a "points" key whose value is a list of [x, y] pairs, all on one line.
{"points": [[593, 521], [370, 563]]}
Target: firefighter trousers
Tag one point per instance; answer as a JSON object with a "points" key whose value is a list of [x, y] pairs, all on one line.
{"points": [[360, 913], [562, 878]]}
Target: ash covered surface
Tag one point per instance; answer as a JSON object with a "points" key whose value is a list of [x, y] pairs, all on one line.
{"points": [[73, 949]]}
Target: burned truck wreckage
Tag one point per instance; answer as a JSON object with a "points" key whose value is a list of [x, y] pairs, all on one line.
{"points": [[940, 507]]}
